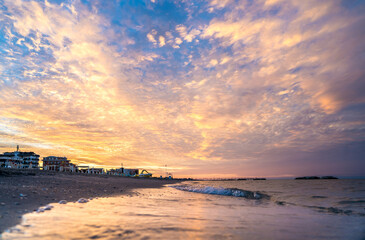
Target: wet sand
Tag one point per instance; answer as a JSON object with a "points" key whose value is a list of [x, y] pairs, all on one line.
{"points": [[24, 191]]}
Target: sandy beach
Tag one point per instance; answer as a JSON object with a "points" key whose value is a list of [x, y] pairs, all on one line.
{"points": [[23, 191]]}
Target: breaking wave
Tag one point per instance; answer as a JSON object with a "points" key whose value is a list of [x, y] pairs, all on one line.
{"points": [[235, 192]]}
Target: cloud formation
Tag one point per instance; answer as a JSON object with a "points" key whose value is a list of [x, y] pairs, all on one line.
{"points": [[228, 88]]}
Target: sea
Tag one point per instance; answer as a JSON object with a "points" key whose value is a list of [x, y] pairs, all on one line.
{"points": [[270, 209]]}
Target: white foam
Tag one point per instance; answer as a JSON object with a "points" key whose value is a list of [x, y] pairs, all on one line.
{"points": [[219, 191]]}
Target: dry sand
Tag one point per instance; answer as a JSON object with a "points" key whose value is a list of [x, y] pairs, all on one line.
{"points": [[23, 191]]}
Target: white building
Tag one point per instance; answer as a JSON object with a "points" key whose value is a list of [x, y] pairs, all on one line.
{"points": [[19, 159], [124, 172], [90, 170]]}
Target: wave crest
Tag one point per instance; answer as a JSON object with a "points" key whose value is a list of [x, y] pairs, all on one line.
{"points": [[235, 192]]}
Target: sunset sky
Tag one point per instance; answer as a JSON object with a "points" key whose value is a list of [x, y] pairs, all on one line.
{"points": [[220, 88]]}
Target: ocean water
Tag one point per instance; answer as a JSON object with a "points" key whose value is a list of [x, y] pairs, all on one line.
{"points": [[271, 209]]}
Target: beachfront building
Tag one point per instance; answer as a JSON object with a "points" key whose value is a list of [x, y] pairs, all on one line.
{"points": [[123, 172], [90, 170], [73, 167], [118, 172], [130, 172], [96, 170], [18, 159], [83, 169], [61, 164]]}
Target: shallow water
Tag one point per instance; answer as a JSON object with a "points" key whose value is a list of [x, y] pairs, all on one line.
{"points": [[272, 209]]}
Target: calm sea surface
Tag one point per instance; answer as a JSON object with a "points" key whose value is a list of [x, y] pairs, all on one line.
{"points": [[272, 209]]}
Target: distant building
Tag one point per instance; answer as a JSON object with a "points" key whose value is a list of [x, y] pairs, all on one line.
{"points": [[130, 172], [73, 167], [90, 170], [19, 159], [96, 170], [123, 172], [118, 171], [60, 164]]}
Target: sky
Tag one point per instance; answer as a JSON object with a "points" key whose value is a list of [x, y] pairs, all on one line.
{"points": [[216, 88]]}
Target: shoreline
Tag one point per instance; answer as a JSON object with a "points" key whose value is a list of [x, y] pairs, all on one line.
{"points": [[24, 191]]}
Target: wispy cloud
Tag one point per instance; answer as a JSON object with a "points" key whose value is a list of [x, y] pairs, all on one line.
{"points": [[224, 92]]}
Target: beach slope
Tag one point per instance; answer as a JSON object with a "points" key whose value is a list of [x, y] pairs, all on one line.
{"points": [[23, 191]]}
